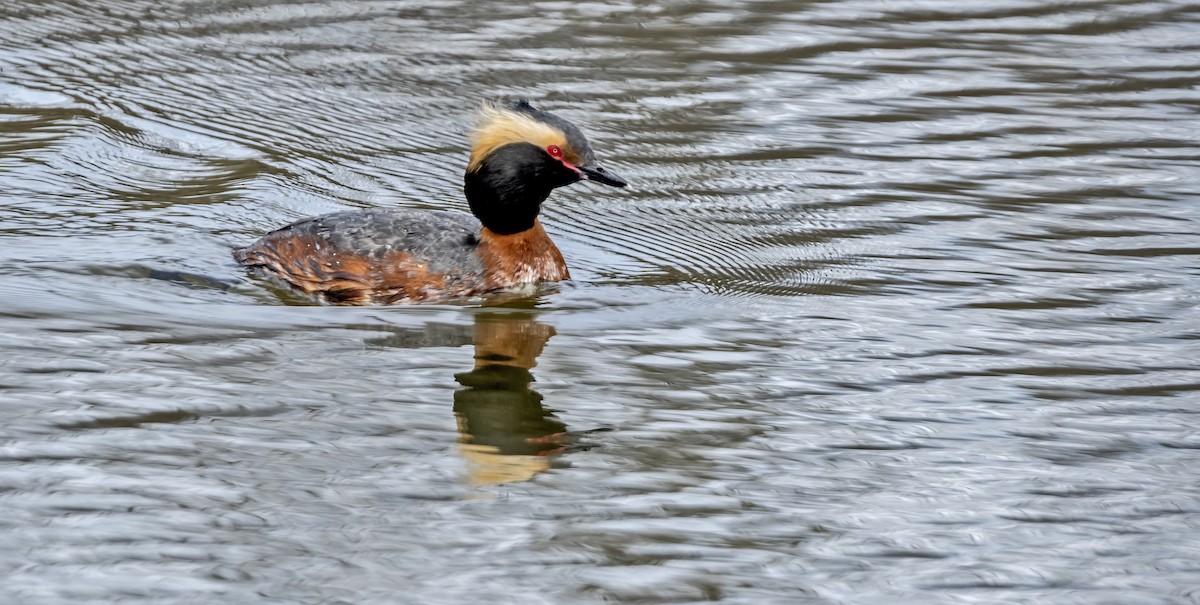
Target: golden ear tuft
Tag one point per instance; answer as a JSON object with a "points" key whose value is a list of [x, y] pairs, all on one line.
{"points": [[500, 126]]}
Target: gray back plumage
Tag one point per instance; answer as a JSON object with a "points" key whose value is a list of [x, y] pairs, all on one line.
{"points": [[445, 241]]}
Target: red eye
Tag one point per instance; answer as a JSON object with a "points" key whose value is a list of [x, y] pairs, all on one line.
{"points": [[555, 152]]}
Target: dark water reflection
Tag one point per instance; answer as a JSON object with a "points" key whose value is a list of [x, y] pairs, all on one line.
{"points": [[901, 307], [507, 434]]}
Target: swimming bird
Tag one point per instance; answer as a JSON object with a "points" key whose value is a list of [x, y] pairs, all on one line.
{"points": [[519, 154]]}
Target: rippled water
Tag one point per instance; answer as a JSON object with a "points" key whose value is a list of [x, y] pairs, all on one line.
{"points": [[902, 306]]}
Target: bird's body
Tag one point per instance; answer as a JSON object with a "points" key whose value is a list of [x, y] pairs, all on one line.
{"points": [[402, 256], [407, 255]]}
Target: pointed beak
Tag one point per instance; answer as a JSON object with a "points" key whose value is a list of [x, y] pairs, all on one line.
{"points": [[596, 173]]}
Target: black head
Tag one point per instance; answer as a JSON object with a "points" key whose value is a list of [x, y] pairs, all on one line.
{"points": [[520, 154]]}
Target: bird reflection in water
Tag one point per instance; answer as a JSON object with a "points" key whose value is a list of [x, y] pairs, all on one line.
{"points": [[505, 433]]}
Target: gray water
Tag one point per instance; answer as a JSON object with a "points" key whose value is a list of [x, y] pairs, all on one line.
{"points": [[902, 306]]}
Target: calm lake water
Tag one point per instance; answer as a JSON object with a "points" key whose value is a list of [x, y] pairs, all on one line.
{"points": [[903, 306]]}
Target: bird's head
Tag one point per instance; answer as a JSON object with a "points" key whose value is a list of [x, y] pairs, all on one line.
{"points": [[518, 155]]}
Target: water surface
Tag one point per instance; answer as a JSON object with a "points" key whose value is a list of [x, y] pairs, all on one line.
{"points": [[901, 307]]}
